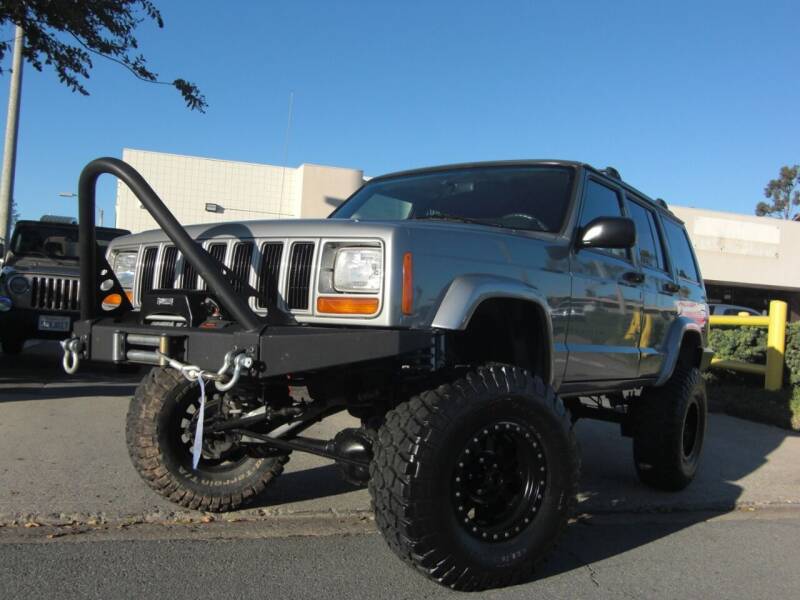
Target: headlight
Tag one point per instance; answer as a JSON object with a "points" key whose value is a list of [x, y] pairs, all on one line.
{"points": [[18, 285], [124, 266], [358, 270]]}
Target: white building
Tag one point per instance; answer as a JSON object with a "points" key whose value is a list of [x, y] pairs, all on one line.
{"points": [[209, 190], [745, 260]]}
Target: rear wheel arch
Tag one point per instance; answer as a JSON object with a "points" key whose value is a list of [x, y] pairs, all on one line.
{"points": [[684, 347]]}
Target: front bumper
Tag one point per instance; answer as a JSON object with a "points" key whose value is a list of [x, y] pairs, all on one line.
{"points": [[23, 323], [276, 350]]}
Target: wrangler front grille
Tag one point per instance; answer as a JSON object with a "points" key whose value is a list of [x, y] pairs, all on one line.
{"points": [[54, 293]]}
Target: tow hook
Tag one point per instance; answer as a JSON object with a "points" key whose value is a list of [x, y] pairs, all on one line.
{"points": [[237, 359]]}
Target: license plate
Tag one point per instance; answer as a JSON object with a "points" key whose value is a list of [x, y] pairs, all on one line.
{"points": [[50, 323]]}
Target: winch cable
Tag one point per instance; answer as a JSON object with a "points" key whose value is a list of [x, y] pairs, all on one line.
{"points": [[238, 360], [197, 447]]}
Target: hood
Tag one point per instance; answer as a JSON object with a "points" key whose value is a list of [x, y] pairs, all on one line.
{"points": [[310, 228], [43, 264]]}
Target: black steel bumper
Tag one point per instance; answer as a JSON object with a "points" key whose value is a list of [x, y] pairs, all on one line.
{"points": [[276, 350], [23, 323]]}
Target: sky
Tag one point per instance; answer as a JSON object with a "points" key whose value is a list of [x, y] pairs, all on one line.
{"points": [[693, 102]]}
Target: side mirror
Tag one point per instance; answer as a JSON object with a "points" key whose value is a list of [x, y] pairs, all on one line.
{"points": [[608, 232]]}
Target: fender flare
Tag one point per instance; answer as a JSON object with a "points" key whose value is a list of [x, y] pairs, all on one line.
{"points": [[466, 293], [678, 331]]}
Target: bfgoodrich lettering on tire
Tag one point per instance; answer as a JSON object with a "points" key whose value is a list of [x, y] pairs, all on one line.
{"points": [[159, 432], [472, 483]]}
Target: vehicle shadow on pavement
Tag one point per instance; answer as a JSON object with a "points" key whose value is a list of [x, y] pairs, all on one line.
{"points": [[616, 513], [59, 392], [36, 374], [31, 377], [309, 484]]}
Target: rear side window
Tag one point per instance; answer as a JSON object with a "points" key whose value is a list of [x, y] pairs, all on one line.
{"points": [[648, 242], [680, 252], [601, 201]]}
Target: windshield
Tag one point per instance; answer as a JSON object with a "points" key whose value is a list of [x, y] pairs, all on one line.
{"points": [[54, 241], [517, 197]]}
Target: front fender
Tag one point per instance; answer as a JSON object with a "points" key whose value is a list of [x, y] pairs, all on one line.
{"points": [[466, 293]]}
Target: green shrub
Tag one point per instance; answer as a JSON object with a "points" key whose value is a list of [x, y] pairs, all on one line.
{"points": [[792, 356], [739, 343], [750, 345]]}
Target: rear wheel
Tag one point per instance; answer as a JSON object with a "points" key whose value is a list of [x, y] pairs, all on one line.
{"points": [[669, 430], [160, 428], [472, 483]]}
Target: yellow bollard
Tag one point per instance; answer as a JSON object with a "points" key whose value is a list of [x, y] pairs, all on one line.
{"points": [[776, 344]]}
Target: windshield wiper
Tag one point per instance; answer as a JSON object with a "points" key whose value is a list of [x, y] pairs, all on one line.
{"points": [[447, 217]]}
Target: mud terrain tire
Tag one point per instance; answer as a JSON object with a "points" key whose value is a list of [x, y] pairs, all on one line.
{"points": [[156, 450], [446, 467], [669, 429]]}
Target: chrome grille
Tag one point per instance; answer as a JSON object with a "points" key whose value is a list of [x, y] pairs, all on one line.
{"points": [[166, 279], [54, 293], [148, 270], [217, 252], [271, 283], [240, 265], [269, 274], [188, 276], [299, 284]]}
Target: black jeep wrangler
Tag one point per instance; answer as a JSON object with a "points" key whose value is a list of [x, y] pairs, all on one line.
{"points": [[39, 281], [468, 315]]}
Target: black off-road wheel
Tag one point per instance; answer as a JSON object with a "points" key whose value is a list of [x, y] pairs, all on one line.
{"points": [[12, 345], [669, 430], [160, 427], [472, 483]]}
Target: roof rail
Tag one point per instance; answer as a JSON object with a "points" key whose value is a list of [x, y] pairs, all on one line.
{"points": [[612, 172], [662, 203]]}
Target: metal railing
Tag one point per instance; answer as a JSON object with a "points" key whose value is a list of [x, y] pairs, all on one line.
{"points": [[775, 323]]}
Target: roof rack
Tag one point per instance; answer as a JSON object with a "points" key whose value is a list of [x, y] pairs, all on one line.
{"points": [[612, 172], [662, 203]]}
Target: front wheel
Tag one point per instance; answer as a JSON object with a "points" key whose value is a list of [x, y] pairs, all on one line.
{"points": [[160, 428], [472, 483]]}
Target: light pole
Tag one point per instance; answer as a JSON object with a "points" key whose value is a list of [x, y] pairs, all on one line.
{"points": [[74, 195], [12, 126]]}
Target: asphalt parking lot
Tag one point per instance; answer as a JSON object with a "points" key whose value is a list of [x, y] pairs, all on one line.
{"points": [[65, 470]]}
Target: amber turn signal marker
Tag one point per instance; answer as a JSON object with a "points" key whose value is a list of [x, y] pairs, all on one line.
{"points": [[347, 305], [407, 304], [116, 299]]}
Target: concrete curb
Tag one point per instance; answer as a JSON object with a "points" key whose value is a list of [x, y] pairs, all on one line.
{"points": [[272, 515]]}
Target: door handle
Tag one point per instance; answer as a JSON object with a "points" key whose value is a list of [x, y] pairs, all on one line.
{"points": [[633, 277], [671, 287]]}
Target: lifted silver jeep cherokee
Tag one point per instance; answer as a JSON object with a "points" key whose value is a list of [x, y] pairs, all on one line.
{"points": [[466, 314]]}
